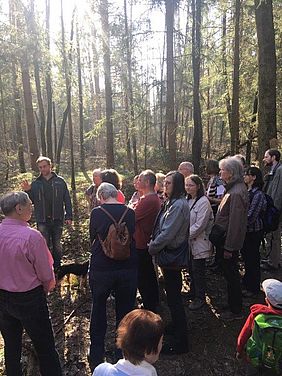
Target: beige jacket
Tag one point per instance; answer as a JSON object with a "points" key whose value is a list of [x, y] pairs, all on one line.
{"points": [[201, 222]]}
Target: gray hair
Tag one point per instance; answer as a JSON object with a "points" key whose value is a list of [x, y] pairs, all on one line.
{"points": [[234, 166], [106, 191], [187, 166], [10, 200]]}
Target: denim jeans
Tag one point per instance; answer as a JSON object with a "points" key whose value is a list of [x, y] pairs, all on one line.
{"points": [[123, 283], [52, 232], [29, 311]]}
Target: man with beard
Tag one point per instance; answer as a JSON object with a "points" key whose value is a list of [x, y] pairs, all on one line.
{"points": [[273, 187]]}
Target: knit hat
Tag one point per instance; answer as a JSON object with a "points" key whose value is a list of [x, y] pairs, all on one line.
{"points": [[273, 291]]}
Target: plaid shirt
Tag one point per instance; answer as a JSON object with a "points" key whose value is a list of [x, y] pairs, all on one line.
{"points": [[256, 208]]}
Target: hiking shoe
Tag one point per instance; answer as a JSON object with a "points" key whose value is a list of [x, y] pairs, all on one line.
{"points": [[231, 316], [196, 304]]}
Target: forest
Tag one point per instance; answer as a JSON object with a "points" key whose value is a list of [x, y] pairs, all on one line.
{"points": [[138, 84], [130, 85]]}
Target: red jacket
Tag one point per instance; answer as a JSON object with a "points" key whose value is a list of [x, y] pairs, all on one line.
{"points": [[247, 329]]}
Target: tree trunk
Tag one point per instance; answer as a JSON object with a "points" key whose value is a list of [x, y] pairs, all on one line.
{"points": [[33, 35], [40, 106], [48, 86], [67, 61], [55, 127], [224, 72], [234, 129], [196, 56], [170, 122], [80, 104], [267, 128], [103, 10], [4, 123], [98, 106], [132, 126], [16, 95], [32, 139]]}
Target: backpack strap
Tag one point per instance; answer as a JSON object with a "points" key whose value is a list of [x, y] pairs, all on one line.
{"points": [[114, 221], [112, 218]]}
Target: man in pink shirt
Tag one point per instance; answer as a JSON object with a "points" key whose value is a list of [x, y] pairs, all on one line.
{"points": [[26, 276]]}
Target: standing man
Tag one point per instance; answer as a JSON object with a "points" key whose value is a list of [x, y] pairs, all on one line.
{"points": [[146, 211], [273, 187], [186, 169], [52, 205], [91, 191]]}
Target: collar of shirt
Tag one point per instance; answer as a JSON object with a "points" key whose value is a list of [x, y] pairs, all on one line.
{"points": [[12, 221]]}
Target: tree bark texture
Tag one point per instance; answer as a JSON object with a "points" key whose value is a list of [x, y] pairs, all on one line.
{"points": [[267, 128], [32, 139], [234, 129], [103, 10], [196, 59], [170, 121]]}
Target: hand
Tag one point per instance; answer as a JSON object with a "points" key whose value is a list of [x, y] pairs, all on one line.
{"points": [[68, 222], [26, 186], [227, 255]]}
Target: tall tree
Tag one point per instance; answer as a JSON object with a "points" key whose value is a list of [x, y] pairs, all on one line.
{"points": [[196, 59], [32, 139], [80, 103], [15, 88], [33, 35], [104, 14], [267, 128], [132, 126], [170, 121], [48, 85], [234, 126]]}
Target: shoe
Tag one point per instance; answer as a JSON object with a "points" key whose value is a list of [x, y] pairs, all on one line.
{"points": [[196, 304], [174, 349], [231, 316]]}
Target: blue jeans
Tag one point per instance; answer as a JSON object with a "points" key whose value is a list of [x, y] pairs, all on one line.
{"points": [[124, 285], [29, 311], [52, 232]]}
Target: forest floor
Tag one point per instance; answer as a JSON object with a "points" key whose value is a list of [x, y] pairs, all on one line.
{"points": [[212, 340]]}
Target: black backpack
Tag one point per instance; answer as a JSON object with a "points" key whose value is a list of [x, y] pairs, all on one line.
{"points": [[270, 217]]}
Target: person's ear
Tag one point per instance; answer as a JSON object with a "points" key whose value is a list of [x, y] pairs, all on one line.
{"points": [[18, 209]]}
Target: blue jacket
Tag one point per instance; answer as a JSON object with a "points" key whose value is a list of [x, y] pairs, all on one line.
{"points": [[61, 208]]}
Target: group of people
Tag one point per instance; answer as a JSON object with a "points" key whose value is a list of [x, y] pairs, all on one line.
{"points": [[170, 222]]}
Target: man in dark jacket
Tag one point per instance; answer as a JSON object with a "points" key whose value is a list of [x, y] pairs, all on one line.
{"points": [[52, 205], [273, 187]]}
